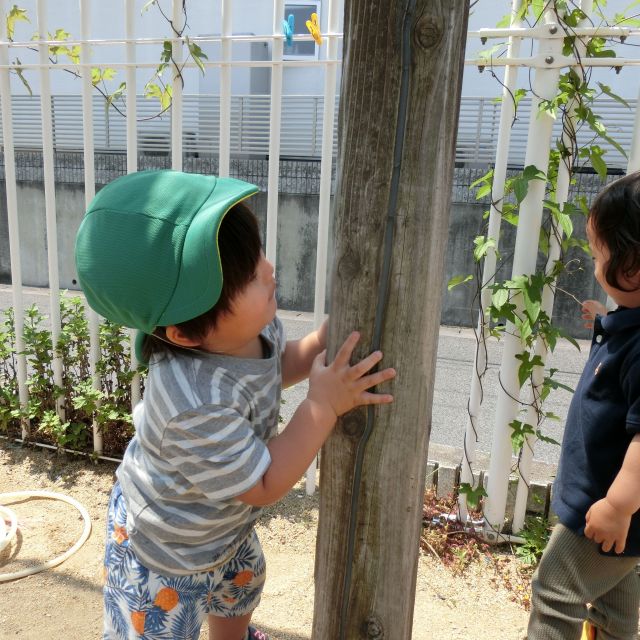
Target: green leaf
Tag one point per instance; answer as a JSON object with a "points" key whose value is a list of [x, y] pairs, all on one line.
{"points": [[117, 93], [15, 15], [519, 433], [595, 156], [456, 280], [147, 5], [20, 73], [197, 54], [499, 297], [472, 495], [607, 90], [482, 246], [96, 75], [547, 439], [487, 54]]}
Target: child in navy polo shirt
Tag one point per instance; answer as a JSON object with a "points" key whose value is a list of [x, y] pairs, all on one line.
{"points": [[592, 555]]}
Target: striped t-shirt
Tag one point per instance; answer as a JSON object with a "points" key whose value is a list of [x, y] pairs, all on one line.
{"points": [[200, 441]]}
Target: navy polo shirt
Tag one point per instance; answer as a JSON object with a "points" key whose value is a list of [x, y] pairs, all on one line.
{"points": [[603, 418]]}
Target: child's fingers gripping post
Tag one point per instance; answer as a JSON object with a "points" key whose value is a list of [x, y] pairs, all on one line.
{"points": [[346, 350], [371, 381]]}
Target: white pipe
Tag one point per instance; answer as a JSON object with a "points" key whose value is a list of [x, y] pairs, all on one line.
{"points": [[274, 132], [634, 154], [225, 92], [548, 297], [176, 99], [54, 562], [524, 263], [507, 113], [46, 106], [263, 64], [132, 154], [205, 39], [89, 193], [534, 62], [12, 220], [326, 164]]}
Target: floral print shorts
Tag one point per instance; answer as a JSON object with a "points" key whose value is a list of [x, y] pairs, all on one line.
{"points": [[140, 603]]}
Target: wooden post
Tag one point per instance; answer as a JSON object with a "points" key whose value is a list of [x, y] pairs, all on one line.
{"points": [[402, 73]]}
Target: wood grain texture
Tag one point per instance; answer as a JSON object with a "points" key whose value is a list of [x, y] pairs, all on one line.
{"points": [[381, 595]]}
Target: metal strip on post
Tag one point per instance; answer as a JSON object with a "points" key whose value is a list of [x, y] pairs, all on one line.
{"points": [[89, 191], [225, 91], [132, 153], [548, 297], [12, 219], [46, 106], [524, 263], [507, 113], [178, 22], [326, 165], [277, 48]]}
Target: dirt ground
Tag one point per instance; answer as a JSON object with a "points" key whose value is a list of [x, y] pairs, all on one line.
{"points": [[65, 602]]}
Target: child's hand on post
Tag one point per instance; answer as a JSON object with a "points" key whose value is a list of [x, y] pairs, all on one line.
{"points": [[340, 387]]}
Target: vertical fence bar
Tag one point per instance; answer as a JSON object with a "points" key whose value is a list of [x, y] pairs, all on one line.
{"points": [[326, 164], [277, 49], [12, 219], [524, 262], [538, 146], [178, 22], [224, 150], [634, 154], [50, 201], [507, 113], [89, 190], [548, 296], [132, 151]]}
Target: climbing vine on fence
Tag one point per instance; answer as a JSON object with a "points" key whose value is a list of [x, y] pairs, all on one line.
{"points": [[515, 304], [104, 79]]}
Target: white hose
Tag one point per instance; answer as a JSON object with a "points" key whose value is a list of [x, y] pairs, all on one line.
{"points": [[6, 536]]}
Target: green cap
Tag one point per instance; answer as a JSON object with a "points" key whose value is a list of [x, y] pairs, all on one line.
{"points": [[147, 250]]}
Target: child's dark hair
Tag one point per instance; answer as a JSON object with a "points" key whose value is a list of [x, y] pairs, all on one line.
{"points": [[240, 246], [615, 220]]}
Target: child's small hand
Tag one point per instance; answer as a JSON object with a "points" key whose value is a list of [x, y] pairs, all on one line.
{"points": [[341, 387], [607, 525], [590, 309]]}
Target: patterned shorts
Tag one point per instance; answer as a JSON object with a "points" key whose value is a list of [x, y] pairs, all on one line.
{"points": [[140, 603]]}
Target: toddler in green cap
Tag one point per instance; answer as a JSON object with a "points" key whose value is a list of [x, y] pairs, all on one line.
{"points": [[178, 257]]}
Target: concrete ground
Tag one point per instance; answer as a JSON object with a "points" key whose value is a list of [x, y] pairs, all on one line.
{"points": [[456, 348]]}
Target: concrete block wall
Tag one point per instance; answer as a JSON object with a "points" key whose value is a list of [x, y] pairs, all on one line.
{"points": [[297, 228]]}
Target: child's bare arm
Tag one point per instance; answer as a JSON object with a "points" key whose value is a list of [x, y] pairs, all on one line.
{"points": [[334, 389], [298, 355], [608, 519]]}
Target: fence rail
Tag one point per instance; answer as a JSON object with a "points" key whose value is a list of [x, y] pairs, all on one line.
{"points": [[301, 134]]}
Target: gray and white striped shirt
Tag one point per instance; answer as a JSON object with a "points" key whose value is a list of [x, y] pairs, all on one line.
{"points": [[200, 441]]}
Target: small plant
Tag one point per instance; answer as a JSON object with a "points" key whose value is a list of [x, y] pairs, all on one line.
{"points": [[84, 402], [536, 534]]}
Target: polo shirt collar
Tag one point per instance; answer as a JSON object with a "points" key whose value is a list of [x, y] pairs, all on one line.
{"points": [[620, 320]]}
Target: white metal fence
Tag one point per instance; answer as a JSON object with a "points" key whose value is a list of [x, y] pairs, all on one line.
{"points": [[276, 125]]}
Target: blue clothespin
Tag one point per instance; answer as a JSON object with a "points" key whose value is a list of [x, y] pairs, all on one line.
{"points": [[288, 27]]}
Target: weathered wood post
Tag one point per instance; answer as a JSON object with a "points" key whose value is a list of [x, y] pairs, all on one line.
{"points": [[402, 72]]}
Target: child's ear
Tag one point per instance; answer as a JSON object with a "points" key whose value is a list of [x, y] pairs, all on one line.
{"points": [[174, 334]]}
